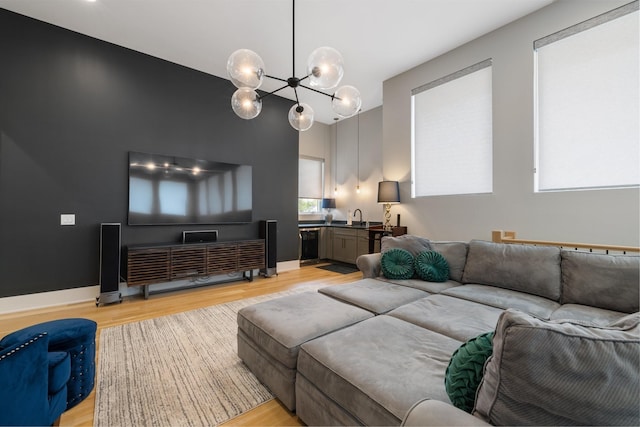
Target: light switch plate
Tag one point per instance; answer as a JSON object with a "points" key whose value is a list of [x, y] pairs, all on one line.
{"points": [[67, 219]]}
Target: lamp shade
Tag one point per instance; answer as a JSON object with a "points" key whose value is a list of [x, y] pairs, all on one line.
{"points": [[301, 116], [388, 192], [246, 103], [325, 68], [245, 69], [346, 101], [328, 203]]}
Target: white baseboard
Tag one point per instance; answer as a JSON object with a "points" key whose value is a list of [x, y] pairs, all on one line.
{"points": [[48, 299], [89, 293], [288, 265]]}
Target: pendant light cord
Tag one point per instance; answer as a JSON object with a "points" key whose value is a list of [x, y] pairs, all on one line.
{"points": [[293, 30], [358, 155]]}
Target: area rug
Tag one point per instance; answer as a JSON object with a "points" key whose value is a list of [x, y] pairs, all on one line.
{"points": [[339, 268], [177, 370]]}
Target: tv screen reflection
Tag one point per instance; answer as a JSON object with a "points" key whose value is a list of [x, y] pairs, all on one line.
{"points": [[178, 190]]}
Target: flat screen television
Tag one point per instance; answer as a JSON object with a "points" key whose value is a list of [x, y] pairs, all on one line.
{"points": [[165, 190]]}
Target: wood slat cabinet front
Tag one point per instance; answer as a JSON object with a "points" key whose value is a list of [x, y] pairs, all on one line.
{"points": [[148, 265], [188, 262], [251, 255], [222, 258]]}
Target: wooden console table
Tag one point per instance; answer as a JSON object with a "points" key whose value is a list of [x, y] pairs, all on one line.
{"points": [[377, 232], [160, 263]]}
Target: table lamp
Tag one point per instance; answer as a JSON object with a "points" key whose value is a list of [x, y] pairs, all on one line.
{"points": [[388, 193], [328, 204]]}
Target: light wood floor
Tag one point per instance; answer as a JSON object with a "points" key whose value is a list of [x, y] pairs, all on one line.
{"points": [[136, 308]]}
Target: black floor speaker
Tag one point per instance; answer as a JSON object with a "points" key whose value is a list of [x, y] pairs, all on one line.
{"points": [[109, 263], [269, 232]]}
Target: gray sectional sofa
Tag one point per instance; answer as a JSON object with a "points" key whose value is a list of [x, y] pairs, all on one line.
{"points": [[375, 352]]}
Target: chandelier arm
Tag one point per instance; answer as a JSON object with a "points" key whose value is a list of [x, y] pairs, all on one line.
{"points": [[296, 92], [276, 78], [320, 92], [272, 92]]}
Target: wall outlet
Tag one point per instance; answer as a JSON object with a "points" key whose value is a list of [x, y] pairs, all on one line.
{"points": [[67, 219]]}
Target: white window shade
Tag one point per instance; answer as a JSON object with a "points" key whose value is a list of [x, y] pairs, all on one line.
{"points": [[310, 178], [452, 139], [587, 104]]}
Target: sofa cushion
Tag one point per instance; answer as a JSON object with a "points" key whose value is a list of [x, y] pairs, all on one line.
{"points": [[586, 313], [442, 314], [463, 375], [408, 242], [560, 373], [423, 285], [377, 369], [431, 266], [605, 281], [525, 268], [59, 370], [428, 412], [397, 264], [373, 295], [456, 255], [277, 325], [505, 298]]}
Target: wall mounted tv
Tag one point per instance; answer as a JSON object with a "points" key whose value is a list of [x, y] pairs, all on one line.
{"points": [[166, 190]]}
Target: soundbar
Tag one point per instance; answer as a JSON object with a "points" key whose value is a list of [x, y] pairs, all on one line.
{"points": [[199, 236]]}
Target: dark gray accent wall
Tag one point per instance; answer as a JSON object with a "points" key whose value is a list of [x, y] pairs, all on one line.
{"points": [[72, 107]]}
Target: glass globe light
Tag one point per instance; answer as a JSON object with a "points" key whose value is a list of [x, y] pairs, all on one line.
{"points": [[325, 67], [246, 103], [301, 116], [245, 69], [346, 101]]}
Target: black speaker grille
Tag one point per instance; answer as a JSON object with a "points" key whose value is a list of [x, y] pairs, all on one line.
{"points": [[109, 257]]}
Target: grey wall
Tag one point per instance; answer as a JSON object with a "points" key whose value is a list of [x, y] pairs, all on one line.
{"points": [[596, 216], [338, 145], [71, 107]]}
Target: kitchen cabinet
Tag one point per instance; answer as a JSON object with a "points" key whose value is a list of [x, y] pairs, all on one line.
{"points": [[326, 243], [363, 242], [348, 243]]}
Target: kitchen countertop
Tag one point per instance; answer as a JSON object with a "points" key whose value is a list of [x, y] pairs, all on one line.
{"points": [[339, 224]]}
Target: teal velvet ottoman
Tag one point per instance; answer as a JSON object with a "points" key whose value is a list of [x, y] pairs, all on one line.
{"points": [[74, 336]]}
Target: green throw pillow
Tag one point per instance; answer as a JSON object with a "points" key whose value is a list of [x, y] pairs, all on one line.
{"points": [[464, 373], [397, 263], [432, 266]]}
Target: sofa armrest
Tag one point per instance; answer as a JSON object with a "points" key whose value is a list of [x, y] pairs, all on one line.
{"points": [[24, 374], [369, 264], [430, 412]]}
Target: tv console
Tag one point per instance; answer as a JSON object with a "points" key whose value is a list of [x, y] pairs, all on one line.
{"points": [[167, 262]]}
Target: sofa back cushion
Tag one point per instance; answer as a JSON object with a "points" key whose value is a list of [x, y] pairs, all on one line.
{"points": [[561, 373], [525, 268], [408, 242], [456, 255], [606, 281]]}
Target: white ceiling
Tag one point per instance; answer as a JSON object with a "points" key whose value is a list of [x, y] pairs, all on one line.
{"points": [[377, 38]]}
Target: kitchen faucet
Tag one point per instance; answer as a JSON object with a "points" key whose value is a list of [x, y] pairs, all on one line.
{"points": [[354, 215]]}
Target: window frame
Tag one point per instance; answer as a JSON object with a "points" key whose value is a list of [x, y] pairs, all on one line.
{"points": [[538, 167], [316, 203], [485, 140]]}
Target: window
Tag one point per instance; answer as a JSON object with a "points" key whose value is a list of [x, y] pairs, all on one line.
{"points": [[587, 104], [310, 185], [452, 139]]}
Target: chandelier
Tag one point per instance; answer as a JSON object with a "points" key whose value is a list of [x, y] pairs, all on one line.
{"points": [[324, 72]]}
